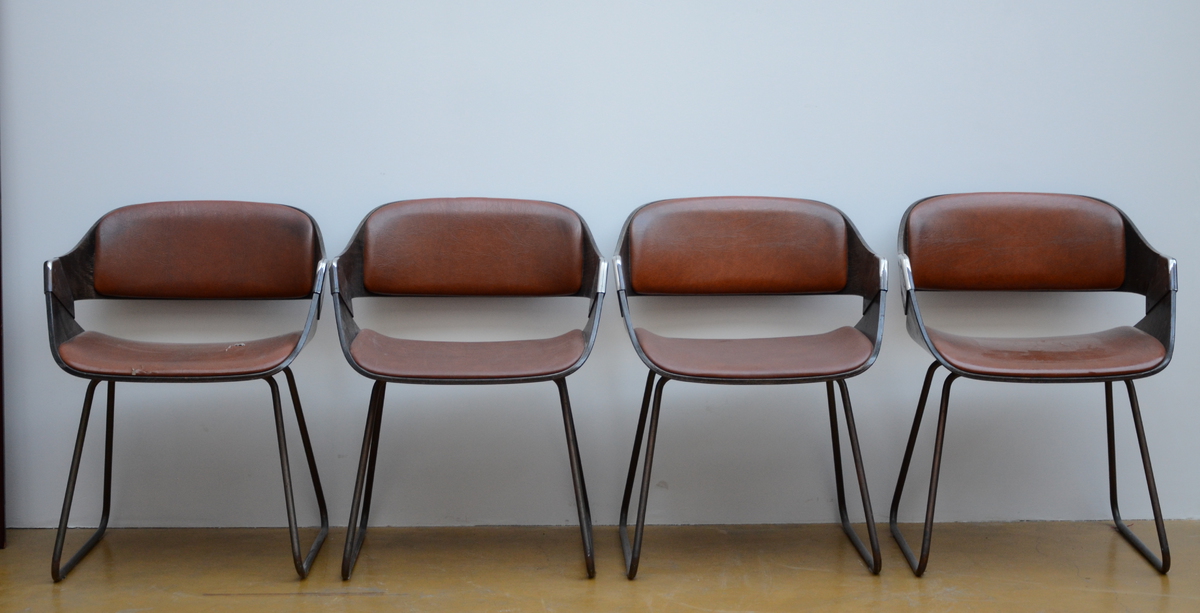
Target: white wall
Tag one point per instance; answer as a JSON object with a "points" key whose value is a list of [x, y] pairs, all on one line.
{"points": [[603, 106]]}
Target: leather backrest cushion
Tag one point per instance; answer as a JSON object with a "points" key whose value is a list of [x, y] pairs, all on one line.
{"points": [[473, 246], [1016, 241], [737, 245], [205, 250]]}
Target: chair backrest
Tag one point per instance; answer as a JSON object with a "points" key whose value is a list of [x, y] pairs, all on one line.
{"points": [[737, 245], [1015, 241], [473, 246], [205, 250]]}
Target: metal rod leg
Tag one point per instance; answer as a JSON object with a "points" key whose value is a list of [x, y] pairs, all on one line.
{"points": [[908, 453], [918, 566], [356, 528], [303, 566], [872, 558], [626, 546], [635, 553], [581, 498], [59, 571], [1163, 565]]}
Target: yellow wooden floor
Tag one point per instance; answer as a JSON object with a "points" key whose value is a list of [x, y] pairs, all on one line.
{"points": [[1031, 566]]}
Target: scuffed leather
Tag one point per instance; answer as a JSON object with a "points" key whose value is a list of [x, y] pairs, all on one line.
{"points": [[737, 245], [400, 358], [818, 355], [218, 249], [473, 246], [95, 353], [1016, 241], [1119, 351]]}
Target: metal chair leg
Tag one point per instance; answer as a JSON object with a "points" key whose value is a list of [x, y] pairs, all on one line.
{"points": [[303, 563], [312, 471], [1163, 565], [59, 571], [581, 498], [918, 566], [356, 528], [633, 554], [633, 462], [872, 558]]}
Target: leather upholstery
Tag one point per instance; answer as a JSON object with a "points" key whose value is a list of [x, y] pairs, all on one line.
{"points": [[839, 351], [400, 358], [737, 245], [1119, 351], [1016, 241], [205, 250], [473, 246], [100, 354]]}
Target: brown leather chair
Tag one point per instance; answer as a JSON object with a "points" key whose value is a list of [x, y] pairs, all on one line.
{"points": [[186, 250], [465, 247], [1035, 242], [741, 245]]}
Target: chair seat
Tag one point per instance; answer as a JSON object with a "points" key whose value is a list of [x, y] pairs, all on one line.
{"points": [[400, 358], [1119, 351], [817, 355], [101, 354]]}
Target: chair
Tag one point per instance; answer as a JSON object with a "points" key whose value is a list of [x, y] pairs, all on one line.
{"points": [[186, 250], [465, 247], [741, 245], [1035, 242]]}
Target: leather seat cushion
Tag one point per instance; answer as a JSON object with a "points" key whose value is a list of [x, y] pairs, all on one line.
{"points": [[1119, 351], [831, 353], [101, 354], [401, 358]]}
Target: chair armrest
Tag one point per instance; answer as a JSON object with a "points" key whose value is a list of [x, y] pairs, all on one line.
{"points": [[626, 315], [867, 276], [346, 284], [66, 279], [1161, 285], [595, 307], [57, 285], [1147, 272], [874, 307], [1153, 275], [314, 307], [347, 276], [866, 273], [60, 306], [596, 296], [912, 311]]}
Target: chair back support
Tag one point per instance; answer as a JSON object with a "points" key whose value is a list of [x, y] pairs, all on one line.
{"points": [[473, 246], [1015, 241], [205, 250], [737, 245]]}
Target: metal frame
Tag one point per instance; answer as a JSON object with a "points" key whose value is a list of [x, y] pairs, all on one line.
{"points": [[347, 284], [69, 278], [867, 277], [1147, 273]]}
